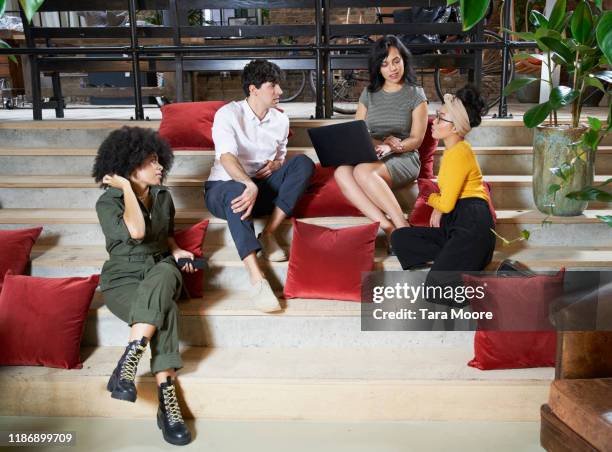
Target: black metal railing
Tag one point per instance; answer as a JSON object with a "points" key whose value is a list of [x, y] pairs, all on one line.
{"points": [[320, 56]]}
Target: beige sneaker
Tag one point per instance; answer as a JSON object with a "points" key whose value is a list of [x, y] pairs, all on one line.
{"points": [[263, 297], [271, 250]]}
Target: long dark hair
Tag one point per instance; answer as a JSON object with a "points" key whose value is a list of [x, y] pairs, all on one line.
{"points": [[380, 51]]}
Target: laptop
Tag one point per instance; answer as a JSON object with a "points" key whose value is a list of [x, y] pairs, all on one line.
{"points": [[347, 143]]}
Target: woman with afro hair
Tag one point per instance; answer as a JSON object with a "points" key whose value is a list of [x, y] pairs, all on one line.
{"points": [[141, 281], [460, 237]]}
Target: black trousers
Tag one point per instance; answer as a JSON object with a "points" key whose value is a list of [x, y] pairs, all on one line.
{"points": [[464, 242]]}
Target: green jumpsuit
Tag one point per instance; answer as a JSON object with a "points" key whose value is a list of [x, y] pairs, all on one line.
{"points": [[140, 281]]}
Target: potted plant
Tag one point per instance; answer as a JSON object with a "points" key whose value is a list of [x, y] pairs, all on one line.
{"points": [[580, 42]]}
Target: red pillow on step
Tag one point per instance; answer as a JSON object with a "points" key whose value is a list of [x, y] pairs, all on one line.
{"points": [[323, 197], [421, 212], [188, 125], [191, 239], [427, 151], [42, 320], [327, 263], [518, 301], [15, 247]]}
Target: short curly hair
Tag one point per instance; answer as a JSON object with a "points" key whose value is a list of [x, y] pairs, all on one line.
{"points": [[258, 72], [126, 149]]}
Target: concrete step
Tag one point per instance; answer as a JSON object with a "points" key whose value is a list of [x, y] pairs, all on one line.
{"points": [[493, 160], [296, 436], [79, 162], [215, 319], [509, 192], [80, 226], [368, 384], [226, 270], [90, 133]]}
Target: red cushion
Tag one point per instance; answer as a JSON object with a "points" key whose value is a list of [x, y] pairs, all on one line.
{"points": [[191, 239], [504, 346], [323, 197], [42, 320], [188, 125], [327, 263], [15, 247], [421, 212], [427, 151]]}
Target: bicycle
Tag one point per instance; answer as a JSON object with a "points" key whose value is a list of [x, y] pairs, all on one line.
{"points": [[347, 84], [448, 79]]}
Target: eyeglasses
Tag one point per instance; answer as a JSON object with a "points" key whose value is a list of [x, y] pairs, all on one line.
{"points": [[440, 118]]}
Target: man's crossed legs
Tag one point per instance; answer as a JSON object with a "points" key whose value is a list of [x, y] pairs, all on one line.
{"points": [[277, 196]]}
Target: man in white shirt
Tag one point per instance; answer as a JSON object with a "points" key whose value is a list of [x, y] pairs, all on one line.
{"points": [[250, 176]]}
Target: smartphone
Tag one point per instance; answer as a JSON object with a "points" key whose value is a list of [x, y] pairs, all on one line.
{"points": [[199, 263]]}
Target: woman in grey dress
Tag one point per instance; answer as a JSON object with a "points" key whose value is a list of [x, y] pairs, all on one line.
{"points": [[395, 111]]}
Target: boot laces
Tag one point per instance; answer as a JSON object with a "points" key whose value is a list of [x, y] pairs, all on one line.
{"points": [[130, 365], [173, 410]]}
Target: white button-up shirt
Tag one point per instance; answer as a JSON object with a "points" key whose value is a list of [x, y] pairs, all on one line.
{"points": [[238, 130]]}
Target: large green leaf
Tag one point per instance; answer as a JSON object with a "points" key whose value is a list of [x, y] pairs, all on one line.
{"points": [[557, 15], [2, 7], [536, 115], [538, 19], [518, 83], [582, 23], [591, 139], [604, 35], [451, 2], [5, 45], [588, 64], [524, 35], [472, 12], [561, 96], [30, 7], [594, 123], [541, 32], [560, 48]]}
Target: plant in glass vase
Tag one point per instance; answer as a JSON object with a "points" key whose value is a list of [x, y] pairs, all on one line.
{"points": [[580, 43]]}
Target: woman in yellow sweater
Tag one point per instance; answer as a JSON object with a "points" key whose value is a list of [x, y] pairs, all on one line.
{"points": [[459, 237]]}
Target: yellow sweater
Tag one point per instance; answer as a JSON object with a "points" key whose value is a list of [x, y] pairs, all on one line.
{"points": [[459, 177]]}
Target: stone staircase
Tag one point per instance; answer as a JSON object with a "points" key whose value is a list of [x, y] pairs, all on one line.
{"points": [[310, 361]]}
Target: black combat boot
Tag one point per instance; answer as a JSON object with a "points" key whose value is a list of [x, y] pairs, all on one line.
{"points": [[169, 417], [121, 384]]}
